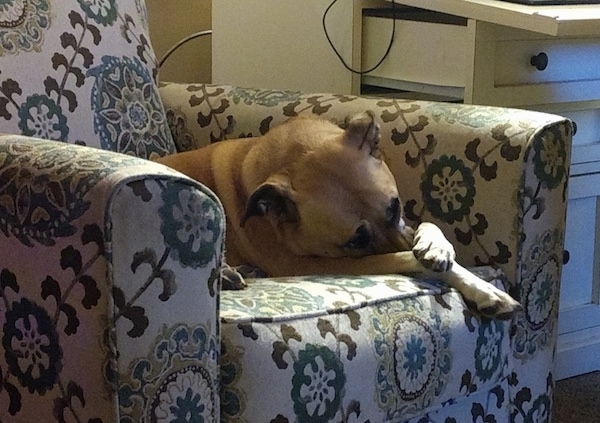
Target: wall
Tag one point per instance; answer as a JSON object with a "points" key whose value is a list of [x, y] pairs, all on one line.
{"points": [[286, 48], [172, 20]]}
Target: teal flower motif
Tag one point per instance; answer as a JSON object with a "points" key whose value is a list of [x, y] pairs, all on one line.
{"points": [[412, 346], [129, 116], [414, 356], [550, 159], [33, 352], [541, 296], [190, 225], [267, 98], [23, 23], [358, 282], [468, 115], [41, 117], [103, 12], [174, 382], [540, 273], [45, 208], [317, 384], [185, 397], [489, 348], [448, 189], [274, 300]]}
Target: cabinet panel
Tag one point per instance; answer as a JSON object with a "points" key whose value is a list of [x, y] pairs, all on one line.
{"points": [[442, 49], [577, 276], [588, 130], [585, 157]]}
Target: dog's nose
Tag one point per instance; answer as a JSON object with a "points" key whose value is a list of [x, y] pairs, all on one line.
{"points": [[405, 236]]}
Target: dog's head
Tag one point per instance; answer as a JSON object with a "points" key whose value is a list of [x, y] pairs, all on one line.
{"points": [[335, 196]]}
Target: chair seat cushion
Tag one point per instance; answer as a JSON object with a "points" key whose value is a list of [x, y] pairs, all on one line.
{"points": [[387, 348]]}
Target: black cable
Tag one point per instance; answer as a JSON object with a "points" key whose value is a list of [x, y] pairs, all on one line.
{"points": [[337, 53], [180, 43]]}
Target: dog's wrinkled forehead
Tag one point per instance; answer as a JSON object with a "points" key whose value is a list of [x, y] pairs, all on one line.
{"points": [[347, 158]]}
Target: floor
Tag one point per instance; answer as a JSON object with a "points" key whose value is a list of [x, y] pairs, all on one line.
{"points": [[577, 399]]}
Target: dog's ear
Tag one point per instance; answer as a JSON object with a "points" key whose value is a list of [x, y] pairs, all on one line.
{"points": [[362, 131], [275, 196]]}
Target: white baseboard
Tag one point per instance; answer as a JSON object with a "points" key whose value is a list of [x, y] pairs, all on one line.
{"points": [[578, 353]]}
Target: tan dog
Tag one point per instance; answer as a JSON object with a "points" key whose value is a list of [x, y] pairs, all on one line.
{"points": [[311, 198]]}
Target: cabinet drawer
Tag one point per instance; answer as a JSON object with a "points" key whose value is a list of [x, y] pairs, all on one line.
{"points": [[505, 76], [422, 52], [567, 60]]}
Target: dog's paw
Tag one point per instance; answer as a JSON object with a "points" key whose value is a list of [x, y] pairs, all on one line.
{"points": [[434, 257], [432, 249], [231, 279], [491, 302], [250, 272]]}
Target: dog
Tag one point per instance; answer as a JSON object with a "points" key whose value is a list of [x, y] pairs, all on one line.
{"points": [[310, 197]]}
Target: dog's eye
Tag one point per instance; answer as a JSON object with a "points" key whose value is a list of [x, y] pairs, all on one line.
{"points": [[360, 240], [393, 212]]}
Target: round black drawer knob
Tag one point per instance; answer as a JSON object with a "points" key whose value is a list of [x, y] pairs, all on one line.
{"points": [[540, 61], [574, 127], [566, 256]]}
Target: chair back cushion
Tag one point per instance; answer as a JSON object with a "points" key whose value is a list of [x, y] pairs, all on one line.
{"points": [[83, 72]]}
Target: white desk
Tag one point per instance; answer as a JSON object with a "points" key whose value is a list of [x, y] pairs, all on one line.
{"points": [[561, 21], [486, 59]]}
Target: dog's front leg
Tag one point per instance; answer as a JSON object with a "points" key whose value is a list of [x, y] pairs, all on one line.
{"points": [[436, 254], [479, 295], [432, 249]]}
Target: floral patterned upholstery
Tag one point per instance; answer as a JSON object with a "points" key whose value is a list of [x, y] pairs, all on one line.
{"points": [[111, 308], [81, 71], [102, 315], [395, 348], [382, 348]]}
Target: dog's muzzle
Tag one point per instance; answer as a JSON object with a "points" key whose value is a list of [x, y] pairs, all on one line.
{"points": [[405, 236]]}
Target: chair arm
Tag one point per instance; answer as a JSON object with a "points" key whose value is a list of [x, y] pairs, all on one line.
{"points": [[110, 276], [495, 181]]}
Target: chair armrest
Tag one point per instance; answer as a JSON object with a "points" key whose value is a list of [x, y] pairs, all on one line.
{"points": [[494, 179], [112, 264]]}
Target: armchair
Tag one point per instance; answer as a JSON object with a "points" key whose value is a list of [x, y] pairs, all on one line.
{"points": [[111, 306]]}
